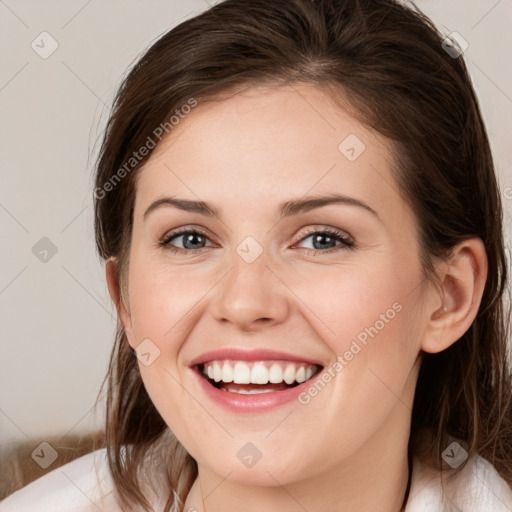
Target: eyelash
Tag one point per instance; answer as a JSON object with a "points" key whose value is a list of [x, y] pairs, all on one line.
{"points": [[346, 243]]}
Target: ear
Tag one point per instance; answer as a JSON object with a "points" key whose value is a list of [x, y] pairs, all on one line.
{"points": [[114, 288], [462, 283]]}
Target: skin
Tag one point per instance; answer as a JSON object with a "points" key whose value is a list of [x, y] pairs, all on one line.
{"points": [[246, 155]]}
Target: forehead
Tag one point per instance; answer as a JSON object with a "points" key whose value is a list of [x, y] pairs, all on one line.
{"points": [[263, 146]]}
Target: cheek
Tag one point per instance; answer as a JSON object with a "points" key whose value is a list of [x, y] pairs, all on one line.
{"points": [[370, 325], [347, 303], [162, 299], [368, 317]]}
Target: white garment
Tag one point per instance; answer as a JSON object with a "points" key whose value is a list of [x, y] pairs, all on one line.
{"points": [[85, 485]]}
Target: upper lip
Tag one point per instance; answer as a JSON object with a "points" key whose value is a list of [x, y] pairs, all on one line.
{"points": [[261, 354]]}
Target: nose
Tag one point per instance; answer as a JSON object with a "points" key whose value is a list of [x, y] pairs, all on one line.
{"points": [[250, 296]]}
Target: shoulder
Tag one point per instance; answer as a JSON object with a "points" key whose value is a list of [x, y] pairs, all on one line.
{"points": [[82, 485], [477, 487]]}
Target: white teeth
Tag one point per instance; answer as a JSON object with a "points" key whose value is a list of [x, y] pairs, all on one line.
{"points": [[227, 372], [289, 374], [241, 373], [300, 376], [217, 373], [275, 374], [251, 391], [258, 372]]}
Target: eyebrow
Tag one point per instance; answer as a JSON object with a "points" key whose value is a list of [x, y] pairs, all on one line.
{"points": [[286, 209]]}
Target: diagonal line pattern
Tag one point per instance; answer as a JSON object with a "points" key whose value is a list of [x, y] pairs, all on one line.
{"points": [[215, 488], [219, 219], [85, 85], [287, 492], [307, 192], [95, 504], [490, 489], [88, 292], [197, 302], [14, 76], [14, 218], [1, 411], [3, 2], [491, 80], [78, 422], [13, 279], [279, 424], [419, 491], [486, 14], [199, 403], [76, 14], [390, 390], [332, 332], [74, 218], [312, 107]]}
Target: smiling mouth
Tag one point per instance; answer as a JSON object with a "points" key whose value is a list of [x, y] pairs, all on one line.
{"points": [[256, 377]]}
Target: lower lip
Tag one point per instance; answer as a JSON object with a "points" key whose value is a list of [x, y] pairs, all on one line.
{"points": [[260, 402]]}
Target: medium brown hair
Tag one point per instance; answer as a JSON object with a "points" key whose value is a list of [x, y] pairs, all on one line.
{"points": [[386, 64]]}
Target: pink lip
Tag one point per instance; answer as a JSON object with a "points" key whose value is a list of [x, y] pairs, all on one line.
{"points": [[251, 403], [250, 355]]}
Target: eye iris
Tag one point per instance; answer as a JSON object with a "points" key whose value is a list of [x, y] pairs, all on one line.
{"points": [[190, 238], [317, 237]]}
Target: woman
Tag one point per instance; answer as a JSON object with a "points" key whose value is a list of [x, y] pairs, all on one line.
{"points": [[302, 230]]}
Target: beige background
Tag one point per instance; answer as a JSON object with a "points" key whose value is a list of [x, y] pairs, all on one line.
{"points": [[57, 323]]}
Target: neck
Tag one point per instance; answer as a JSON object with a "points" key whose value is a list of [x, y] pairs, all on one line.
{"points": [[374, 478]]}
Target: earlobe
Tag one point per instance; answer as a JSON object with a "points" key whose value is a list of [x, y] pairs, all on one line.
{"points": [[462, 286], [114, 288]]}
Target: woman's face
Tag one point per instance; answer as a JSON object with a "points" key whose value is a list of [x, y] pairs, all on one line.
{"points": [[263, 290]]}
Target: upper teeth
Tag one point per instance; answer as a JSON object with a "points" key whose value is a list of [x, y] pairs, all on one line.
{"points": [[260, 372]]}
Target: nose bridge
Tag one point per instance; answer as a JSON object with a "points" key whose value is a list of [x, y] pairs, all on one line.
{"points": [[250, 293]]}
